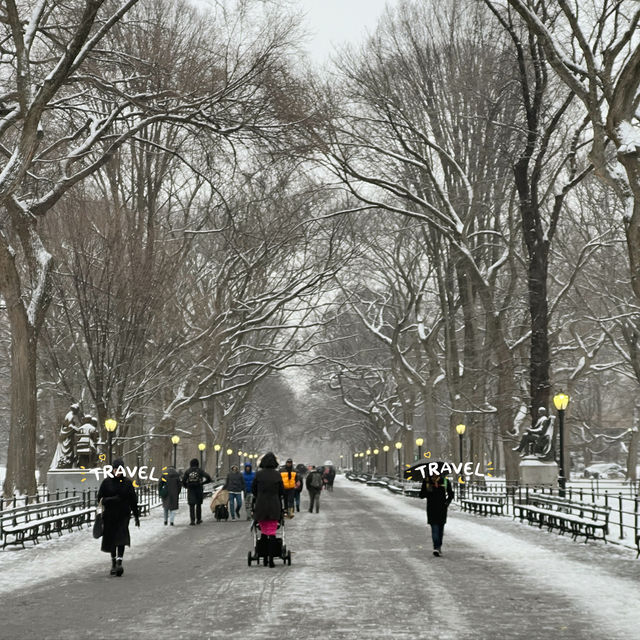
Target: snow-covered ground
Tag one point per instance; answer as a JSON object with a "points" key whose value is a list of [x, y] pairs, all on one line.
{"points": [[613, 599], [70, 553]]}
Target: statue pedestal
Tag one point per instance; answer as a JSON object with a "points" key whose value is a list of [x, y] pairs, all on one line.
{"points": [[534, 472], [70, 479]]}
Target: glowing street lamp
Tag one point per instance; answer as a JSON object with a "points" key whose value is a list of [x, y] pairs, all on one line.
{"points": [[398, 446], [175, 440], [419, 442], [561, 402], [202, 446], [110, 425], [386, 459], [460, 429], [375, 460], [216, 448]]}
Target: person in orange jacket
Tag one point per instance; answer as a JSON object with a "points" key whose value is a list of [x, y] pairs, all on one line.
{"points": [[288, 474]]}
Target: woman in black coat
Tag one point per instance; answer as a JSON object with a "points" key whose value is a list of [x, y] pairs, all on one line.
{"points": [[439, 494], [119, 500], [169, 487], [268, 491]]}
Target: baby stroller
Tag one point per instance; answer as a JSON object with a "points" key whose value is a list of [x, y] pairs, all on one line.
{"points": [[260, 546], [219, 504]]}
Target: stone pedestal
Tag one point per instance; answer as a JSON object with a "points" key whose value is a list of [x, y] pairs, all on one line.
{"points": [[534, 472], [78, 479]]}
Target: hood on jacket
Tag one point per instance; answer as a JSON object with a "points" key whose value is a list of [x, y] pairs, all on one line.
{"points": [[248, 467], [269, 461]]}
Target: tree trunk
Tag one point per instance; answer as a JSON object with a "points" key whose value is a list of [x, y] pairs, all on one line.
{"points": [[21, 459]]}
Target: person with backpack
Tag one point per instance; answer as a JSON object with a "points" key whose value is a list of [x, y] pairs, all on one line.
{"points": [[439, 494], [234, 484], [289, 480], [301, 472], [268, 492], [314, 487], [193, 479], [248, 476], [169, 489]]}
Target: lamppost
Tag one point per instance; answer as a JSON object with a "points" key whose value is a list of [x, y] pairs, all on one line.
{"points": [[341, 459], [460, 429], [561, 402], [229, 454], [175, 440], [375, 461], [216, 448], [202, 446], [398, 446], [419, 442], [368, 460], [386, 459], [110, 425]]}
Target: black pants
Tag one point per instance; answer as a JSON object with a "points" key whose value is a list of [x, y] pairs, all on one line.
{"points": [[195, 512], [120, 551], [314, 496]]}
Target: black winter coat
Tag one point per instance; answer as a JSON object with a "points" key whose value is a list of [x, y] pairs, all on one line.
{"points": [[438, 500], [119, 500], [268, 490], [195, 491], [234, 482]]}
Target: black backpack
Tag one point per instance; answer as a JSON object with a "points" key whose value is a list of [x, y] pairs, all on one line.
{"points": [[221, 512], [193, 478], [315, 480]]}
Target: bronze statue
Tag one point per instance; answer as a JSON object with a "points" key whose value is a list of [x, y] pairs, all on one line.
{"points": [[65, 456], [87, 442], [538, 440]]}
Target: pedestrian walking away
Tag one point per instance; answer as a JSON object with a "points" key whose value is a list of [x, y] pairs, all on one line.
{"points": [[314, 487], [268, 492], [169, 489], [248, 475], [439, 494], [289, 480], [234, 484], [193, 479], [119, 500]]}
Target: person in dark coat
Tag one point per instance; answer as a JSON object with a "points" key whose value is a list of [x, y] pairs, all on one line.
{"points": [[193, 479], [119, 500], [314, 487], [169, 488], [268, 492], [234, 484], [439, 494]]}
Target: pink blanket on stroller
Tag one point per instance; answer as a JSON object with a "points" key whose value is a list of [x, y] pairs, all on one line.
{"points": [[268, 527]]}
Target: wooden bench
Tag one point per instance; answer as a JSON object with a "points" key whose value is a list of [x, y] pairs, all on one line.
{"points": [[579, 518], [484, 503], [28, 523]]}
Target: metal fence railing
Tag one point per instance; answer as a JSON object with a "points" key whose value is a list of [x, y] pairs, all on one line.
{"points": [[622, 499]]}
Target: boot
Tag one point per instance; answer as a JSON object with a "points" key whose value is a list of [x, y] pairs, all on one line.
{"points": [[291, 513], [113, 567], [119, 569]]}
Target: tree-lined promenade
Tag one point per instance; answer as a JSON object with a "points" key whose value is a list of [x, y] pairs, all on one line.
{"points": [[195, 228]]}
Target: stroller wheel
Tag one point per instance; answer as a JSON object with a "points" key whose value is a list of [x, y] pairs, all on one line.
{"points": [[289, 558], [249, 558]]}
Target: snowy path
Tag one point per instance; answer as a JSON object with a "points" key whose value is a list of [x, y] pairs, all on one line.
{"points": [[362, 568]]}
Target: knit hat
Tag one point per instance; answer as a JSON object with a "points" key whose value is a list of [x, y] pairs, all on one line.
{"points": [[194, 462]]}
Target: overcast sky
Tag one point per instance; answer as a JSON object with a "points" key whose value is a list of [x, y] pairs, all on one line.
{"points": [[333, 23]]}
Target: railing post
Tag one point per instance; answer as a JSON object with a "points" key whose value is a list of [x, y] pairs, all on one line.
{"points": [[620, 508]]}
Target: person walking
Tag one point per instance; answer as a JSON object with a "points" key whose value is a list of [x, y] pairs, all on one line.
{"points": [[289, 480], [298, 488], [119, 501], [314, 487], [169, 489], [193, 479], [268, 493], [234, 484], [439, 494], [248, 475]]}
